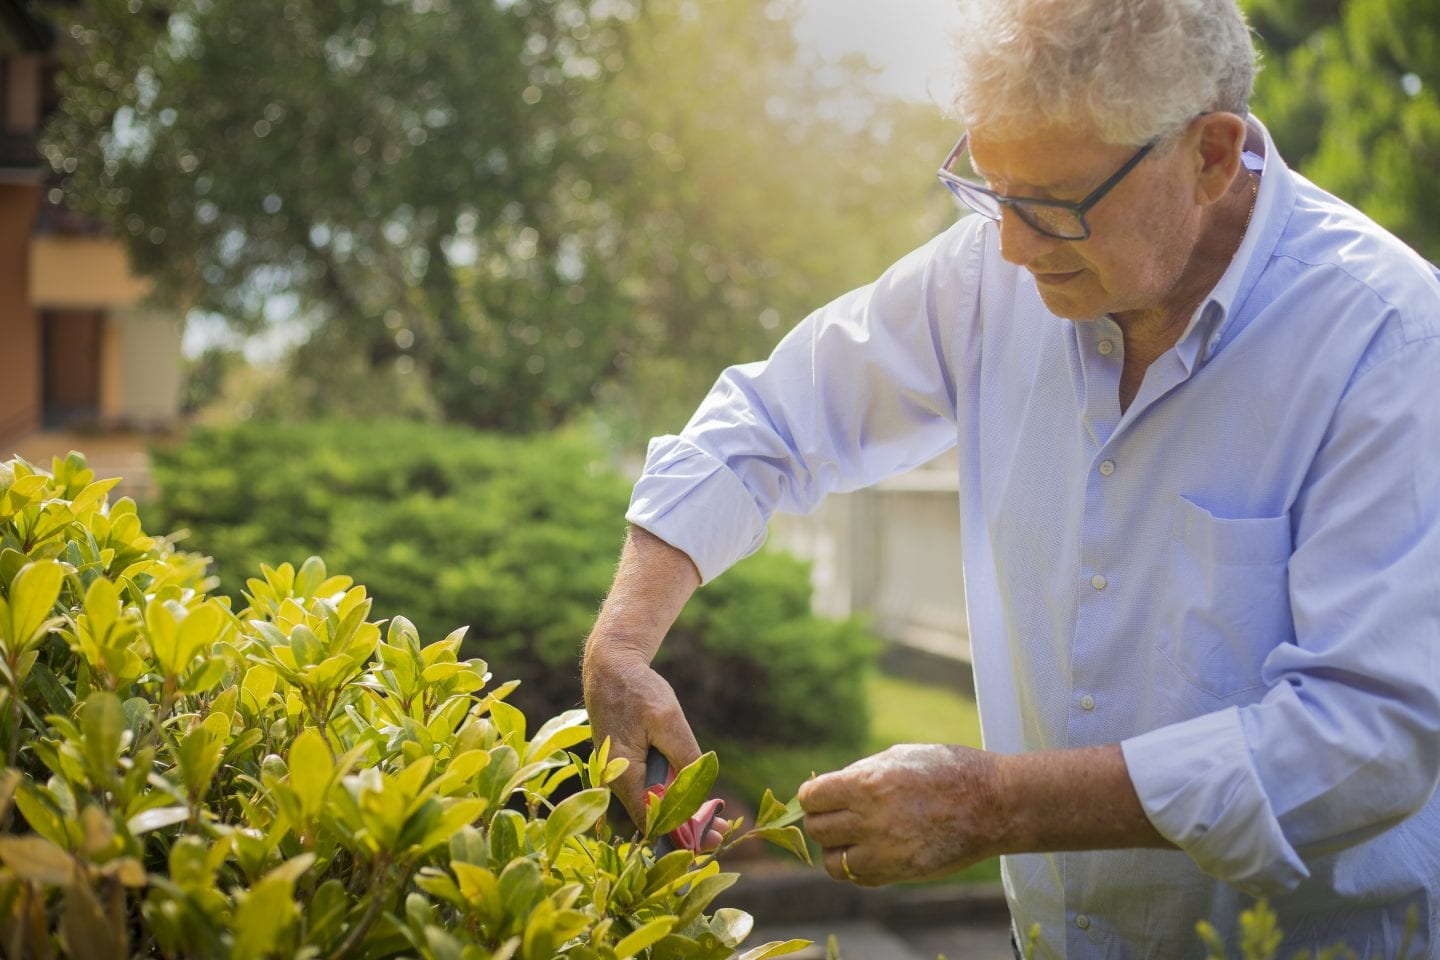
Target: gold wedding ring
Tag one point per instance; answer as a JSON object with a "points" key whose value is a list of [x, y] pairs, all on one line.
{"points": [[845, 865]]}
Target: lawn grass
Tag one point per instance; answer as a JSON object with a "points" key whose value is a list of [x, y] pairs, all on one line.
{"points": [[901, 711]]}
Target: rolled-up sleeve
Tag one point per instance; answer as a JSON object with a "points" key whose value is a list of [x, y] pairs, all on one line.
{"points": [[860, 390], [1345, 742]]}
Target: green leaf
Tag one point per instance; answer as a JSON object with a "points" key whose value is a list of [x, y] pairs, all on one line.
{"points": [[90, 498], [39, 810], [102, 721], [507, 831], [306, 645], [85, 927], [559, 733], [786, 838], [310, 577], [731, 926], [32, 598], [510, 722], [102, 607], [156, 818], [163, 633], [459, 814], [198, 758], [702, 893], [54, 517], [268, 910], [311, 770], [258, 685], [683, 798], [773, 813], [643, 938], [12, 561], [521, 886], [775, 948], [206, 674], [37, 859], [574, 815], [667, 870], [476, 885]]}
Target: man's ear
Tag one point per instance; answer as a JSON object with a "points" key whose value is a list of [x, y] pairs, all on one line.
{"points": [[1217, 141]]}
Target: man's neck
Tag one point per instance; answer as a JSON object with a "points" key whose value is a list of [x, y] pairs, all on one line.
{"points": [[1150, 332]]}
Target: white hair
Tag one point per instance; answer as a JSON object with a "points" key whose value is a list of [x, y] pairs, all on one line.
{"points": [[1126, 71]]}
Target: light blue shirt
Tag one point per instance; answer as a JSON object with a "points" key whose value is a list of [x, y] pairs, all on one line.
{"points": [[1237, 579]]}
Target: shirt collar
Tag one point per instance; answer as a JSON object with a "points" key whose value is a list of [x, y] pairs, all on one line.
{"points": [[1220, 318]]}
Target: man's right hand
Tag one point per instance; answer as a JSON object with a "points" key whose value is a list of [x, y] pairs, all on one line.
{"points": [[628, 701], [636, 708]]}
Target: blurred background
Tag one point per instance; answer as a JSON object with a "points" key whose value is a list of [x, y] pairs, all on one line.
{"points": [[408, 284]]}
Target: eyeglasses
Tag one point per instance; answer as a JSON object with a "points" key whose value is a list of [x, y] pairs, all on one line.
{"points": [[1053, 218]]}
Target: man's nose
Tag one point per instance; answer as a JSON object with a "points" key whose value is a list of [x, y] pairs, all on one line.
{"points": [[1021, 243]]}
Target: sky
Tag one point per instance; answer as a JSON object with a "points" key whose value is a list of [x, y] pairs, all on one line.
{"points": [[907, 39]]}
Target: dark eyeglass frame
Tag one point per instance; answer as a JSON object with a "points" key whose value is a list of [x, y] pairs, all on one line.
{"points": [[967, 191]]}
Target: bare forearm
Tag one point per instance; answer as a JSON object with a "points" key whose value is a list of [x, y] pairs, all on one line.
{"points": [[629, 702], [1079, 799], [652, 585]]}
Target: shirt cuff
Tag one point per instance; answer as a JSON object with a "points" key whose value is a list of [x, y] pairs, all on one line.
{"points": [[693, 502], [1200, 789]]}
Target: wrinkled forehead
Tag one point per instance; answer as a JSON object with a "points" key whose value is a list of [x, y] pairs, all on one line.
{"points": [[1056, 158]]}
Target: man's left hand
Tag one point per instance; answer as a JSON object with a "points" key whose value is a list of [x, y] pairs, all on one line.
{"points": [[909, 813]]}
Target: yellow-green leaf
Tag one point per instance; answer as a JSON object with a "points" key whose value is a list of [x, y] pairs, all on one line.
{"points": [[731, 926], [574, 815], [690, 789], [787, 838], [775, 948], [102, 721], [311, 766], [646, 936], [32, 598], [37, 859]]}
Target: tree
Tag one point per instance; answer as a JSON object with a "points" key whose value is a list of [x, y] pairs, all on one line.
{"points": [[494, 212], [349, 164], [758, 183], [1351, 91]]}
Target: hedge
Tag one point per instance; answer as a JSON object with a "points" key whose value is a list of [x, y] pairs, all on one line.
{"points": [[516, 538], [188, 778]]}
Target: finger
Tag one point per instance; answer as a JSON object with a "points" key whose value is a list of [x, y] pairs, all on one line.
{"points": [[716, 834], [671, 735], [676, 741], [826, 793], [838, 859], [630, 785], [836, 828]]}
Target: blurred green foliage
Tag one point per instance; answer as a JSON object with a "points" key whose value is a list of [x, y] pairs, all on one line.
{"points": [[517, 539], [491, 213], [1351, 91]]}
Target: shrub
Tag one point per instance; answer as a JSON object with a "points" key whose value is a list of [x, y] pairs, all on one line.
{"points": [[517, 537], [185, 780]]}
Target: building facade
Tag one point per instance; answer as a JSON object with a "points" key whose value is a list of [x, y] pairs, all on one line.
{"points": [[80, 346]]}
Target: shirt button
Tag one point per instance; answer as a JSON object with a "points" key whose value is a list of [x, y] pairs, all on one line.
{"points": [[1105, 347], [1107, 467], [1099, 582], [1082, 921], [1087, 702]]}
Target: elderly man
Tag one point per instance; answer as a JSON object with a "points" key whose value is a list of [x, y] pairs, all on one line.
{"points": [[1196, 402]]}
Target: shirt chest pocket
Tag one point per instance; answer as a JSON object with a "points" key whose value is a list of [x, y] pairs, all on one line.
{"points": [[1226, 603]]}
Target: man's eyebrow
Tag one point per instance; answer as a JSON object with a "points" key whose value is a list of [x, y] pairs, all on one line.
{"points": [[1073, 185]]}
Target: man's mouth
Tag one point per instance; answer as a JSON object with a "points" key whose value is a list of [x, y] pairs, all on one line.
{"points": [[1055, 279]]}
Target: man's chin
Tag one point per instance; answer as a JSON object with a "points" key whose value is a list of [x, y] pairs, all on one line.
{"points": [[1070, 308]]}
